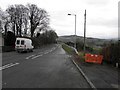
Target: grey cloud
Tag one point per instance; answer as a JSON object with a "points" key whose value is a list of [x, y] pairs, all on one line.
{"points": [[104, 22], [97, 2]]}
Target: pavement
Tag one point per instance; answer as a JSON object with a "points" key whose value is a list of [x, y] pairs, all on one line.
{"points": [[47, 67], [101, 76]]}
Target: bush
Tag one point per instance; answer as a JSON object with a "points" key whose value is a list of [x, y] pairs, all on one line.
{"points": [[48, 37], [36, 42]]}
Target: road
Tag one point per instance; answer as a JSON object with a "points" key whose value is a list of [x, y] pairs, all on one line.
{"points": [[47, 67]]}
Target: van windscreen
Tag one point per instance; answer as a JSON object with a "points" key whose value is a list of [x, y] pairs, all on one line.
{"points": [[18, 41], [22, 42]]}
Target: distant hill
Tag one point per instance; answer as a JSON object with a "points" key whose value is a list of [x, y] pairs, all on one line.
{"points": [[89, 40]]}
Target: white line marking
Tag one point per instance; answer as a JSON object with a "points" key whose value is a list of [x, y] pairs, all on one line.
{"points": [[114, 85], [37, 56], [41, 53], [29, 56], [51, 50], [4, 83], [8, 65], [46, 52]]}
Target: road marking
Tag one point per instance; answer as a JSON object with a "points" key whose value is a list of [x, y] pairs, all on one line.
{"points": [[29, 56], [46, 52], [8, 66], [4, 83], [53, 48], [114, 85], [37, 56], [50, 51], [41, 53]]}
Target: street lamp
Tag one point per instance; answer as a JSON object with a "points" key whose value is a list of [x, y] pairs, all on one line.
{"points": [[75, 29]]}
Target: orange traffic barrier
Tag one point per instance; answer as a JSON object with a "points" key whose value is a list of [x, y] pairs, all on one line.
{"points": [[93, 58]]}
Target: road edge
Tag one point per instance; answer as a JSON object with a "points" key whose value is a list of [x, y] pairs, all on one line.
{"points": [[80, 70], [86, 78]]}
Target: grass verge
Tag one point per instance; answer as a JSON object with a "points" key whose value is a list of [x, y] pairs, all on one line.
{"points": [[81, 56], [68, 49]]}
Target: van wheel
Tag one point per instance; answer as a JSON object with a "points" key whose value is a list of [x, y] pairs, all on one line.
{"points": [[28, 50], [31, 50], [18, 51]]}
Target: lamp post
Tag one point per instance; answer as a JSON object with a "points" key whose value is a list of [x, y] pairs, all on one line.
{"points": [[75, 29]]}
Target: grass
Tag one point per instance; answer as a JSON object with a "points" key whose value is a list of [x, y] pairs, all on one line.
{"points": [[97, 50], [67, 49], [81, 55], [70, 51]]}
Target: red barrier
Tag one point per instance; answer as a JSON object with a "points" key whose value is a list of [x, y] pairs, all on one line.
{"points": [[93, 58]]}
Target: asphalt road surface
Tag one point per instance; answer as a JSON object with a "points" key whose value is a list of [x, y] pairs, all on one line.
{"points": [[47, 67]]}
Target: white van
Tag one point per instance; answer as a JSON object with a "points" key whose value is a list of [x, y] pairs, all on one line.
{"points": [[23, 44]]}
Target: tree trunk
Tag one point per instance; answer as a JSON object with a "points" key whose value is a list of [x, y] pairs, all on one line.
{"points": [[32, 31], [17, 29], [25, 29], [20, 31], [5, 28], [14, 28]]}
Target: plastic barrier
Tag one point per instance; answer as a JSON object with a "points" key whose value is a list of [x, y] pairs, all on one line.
{"points": [[93, 58]]}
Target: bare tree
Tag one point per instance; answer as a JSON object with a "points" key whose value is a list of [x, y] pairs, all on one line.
{"points": [[4, 21], [21, 17], [37, 17], [11, 10], [25, 26], [1, 15], [18, 17]]}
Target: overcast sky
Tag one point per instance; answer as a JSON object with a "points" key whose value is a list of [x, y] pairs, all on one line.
{"points": [[102, 16]]}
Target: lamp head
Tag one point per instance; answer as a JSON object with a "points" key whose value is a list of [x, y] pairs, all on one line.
{"points": [[69, 14]]}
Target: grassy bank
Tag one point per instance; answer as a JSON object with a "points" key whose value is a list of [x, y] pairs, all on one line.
{"points": [[81, 55], [68, 49]]}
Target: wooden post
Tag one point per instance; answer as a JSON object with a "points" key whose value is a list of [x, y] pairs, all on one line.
{"points": [[84, 32]]}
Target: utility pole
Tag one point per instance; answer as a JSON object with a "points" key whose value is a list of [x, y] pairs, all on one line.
{"points": [[75, 32], [84, 32]]}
